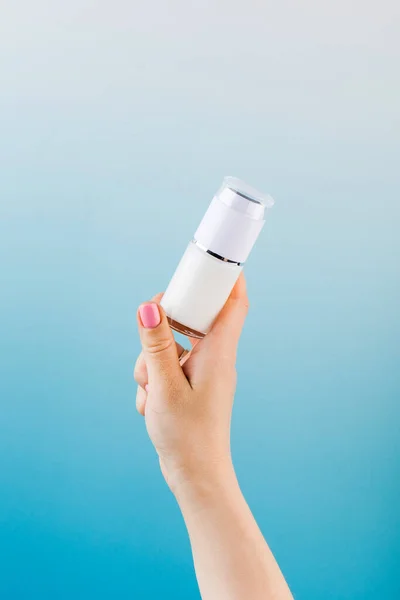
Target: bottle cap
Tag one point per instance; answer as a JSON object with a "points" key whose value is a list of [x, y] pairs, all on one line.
{"points": [[233, 220]]}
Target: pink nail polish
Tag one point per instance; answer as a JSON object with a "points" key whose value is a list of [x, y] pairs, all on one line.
{"points": [[150, 315]]}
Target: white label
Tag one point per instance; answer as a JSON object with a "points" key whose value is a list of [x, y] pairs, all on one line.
{"points": [[199, 289]]}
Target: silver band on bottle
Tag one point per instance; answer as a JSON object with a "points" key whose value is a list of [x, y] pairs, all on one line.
{"points": [[215, 255]]}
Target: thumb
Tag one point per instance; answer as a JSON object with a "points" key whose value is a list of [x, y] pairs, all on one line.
{"points": [[159, 348]]}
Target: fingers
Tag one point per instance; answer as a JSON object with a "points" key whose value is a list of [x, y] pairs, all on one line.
{"points": [[159, 348], [140, 370], [140, 375], [227, 328], [141, 397]]}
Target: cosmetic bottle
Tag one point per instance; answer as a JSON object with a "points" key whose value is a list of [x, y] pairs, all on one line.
{"points": [[214, 258]]}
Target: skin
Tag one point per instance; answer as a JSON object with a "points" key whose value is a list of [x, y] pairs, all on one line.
{"points": [[187, 409]]}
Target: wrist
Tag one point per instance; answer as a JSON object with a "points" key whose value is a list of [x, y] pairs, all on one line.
{"points": [[203, 487]]}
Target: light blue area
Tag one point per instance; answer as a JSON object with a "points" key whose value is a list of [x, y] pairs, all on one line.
{"points": [[117, 123]]}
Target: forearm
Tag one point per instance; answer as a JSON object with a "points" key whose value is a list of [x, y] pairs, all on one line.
{"points": [[231, 557]]}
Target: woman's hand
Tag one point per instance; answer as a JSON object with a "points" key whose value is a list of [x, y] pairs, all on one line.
{"points": [[187, 405]]}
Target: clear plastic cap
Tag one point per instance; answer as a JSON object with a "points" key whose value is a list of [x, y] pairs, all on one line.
{"points": [[233, 220], [243, 197]]}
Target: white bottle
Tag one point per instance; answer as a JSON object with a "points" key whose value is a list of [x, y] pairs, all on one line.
{"points": [[214, 259]]}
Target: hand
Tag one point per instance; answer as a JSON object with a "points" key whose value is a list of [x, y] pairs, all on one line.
{"points": [[187, 407]]}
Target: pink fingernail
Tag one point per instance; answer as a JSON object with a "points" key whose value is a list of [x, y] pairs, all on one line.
{"points": [[149, 315]]}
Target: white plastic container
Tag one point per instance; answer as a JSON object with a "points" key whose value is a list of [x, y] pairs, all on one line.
{"points": [[214, 259]]}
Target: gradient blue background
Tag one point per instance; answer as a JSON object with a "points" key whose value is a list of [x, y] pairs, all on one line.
{"points": [[118, 121]]}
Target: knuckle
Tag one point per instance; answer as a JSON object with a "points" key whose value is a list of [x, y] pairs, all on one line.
{"points": [[140, 370], [140, 376], [159, 346], [136, 372], [141, 381], [140, 402]]}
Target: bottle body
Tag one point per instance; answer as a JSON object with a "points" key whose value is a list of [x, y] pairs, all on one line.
{"points": [[198, 290], [213, 260]]}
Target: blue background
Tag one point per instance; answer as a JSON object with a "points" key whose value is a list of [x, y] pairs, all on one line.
{"points": [[118, 121]]}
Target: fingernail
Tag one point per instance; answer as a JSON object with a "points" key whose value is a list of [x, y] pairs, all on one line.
{"points": [[149, 315], [146, 387]]}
